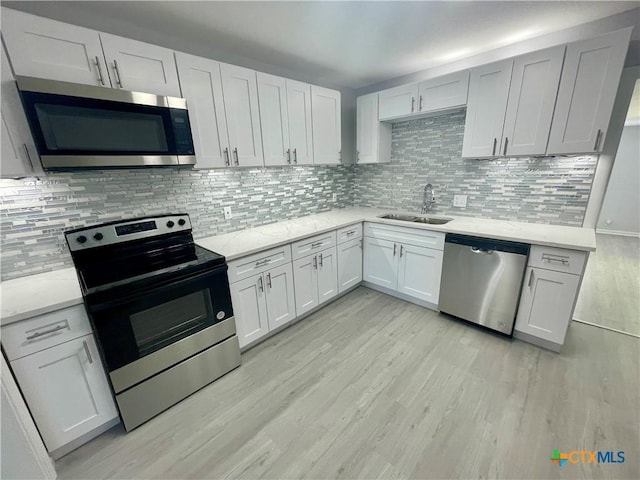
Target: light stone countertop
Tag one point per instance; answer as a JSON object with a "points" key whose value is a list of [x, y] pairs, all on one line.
{"points": [[33, 295]]}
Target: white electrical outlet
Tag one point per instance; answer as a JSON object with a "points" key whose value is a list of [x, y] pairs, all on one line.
{"points": [[460, 201], [227, 213], [334, 197]]}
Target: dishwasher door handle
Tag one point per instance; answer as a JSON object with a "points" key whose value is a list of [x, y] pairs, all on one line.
{"points": [[481, 251]]}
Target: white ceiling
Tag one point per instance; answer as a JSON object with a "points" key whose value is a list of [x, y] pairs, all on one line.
{"points": [[348, 44]]}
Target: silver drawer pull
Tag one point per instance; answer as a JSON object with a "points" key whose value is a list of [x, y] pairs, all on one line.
{"points": [[316, 244], [530, 279], [86, 350], [351, 232], [553, 258], [263, 262], [57, 328]]}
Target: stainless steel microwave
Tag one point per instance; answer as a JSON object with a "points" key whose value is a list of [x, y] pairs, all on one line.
{"points": [[82, 126]]}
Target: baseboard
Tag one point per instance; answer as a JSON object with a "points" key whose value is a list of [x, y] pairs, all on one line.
{"points": [[401, 296], [78, 442], [618, 232], [606, 328], [539, 342]]}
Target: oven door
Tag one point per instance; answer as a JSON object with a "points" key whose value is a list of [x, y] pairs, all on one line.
{"points": [[149, 331]]}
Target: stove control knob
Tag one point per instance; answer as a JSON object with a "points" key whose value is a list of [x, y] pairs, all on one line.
{"points": [[81, 239], [98, 236], [181, 222], [170, 224]]}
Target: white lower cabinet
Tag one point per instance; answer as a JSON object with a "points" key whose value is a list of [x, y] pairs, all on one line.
{"points": [[419, 272], [349, 264], [379, 264], [263, 302], [316, 279], [66, 389]]}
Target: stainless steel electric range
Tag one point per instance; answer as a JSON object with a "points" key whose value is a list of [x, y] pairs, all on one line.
{"points": [[160, 307]]}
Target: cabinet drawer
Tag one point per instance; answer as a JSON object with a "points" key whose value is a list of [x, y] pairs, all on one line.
{"points": [[557, 259], [44, 331], [350, 232], [311, 245], [411, 236], [257, 263]]}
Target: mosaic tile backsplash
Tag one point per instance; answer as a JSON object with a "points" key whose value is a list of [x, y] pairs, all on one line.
{"points": [[33, 214], [552, 190]]}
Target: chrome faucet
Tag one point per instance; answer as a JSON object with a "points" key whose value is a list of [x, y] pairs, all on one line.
{"points": [[428, 199]]}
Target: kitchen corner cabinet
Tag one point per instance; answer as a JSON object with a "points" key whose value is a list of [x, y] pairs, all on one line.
{"points": [[326, 126], [285, 117], [39, 47], [263, 302], [588, 88], [243, 115], [315, 279], [19, 154], [57, 365], [373, 137]]}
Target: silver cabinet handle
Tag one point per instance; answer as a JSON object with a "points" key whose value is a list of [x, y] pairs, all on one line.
{"points": [[262, 262], [394, 249], [401, 251], [530, 279], [357, 156], [316, 244], [495, 144], [55, 329], [269, 280], [360, 244], [595, 147], [260, 284], [554, 258], [413, 102], [227, 162], [86, 350], [420, 104], [321, 260], [506, 142], [99, 68], [295, 156], [315, 262], [289, 156], [26, 151], [350, 232], [117, 73], [340, 156], [235, 152]]}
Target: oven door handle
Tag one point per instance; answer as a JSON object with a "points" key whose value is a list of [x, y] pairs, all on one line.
{"points": [[156, 289]]}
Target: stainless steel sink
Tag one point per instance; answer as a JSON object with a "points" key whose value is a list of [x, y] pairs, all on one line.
{"points": [[416, 218]]}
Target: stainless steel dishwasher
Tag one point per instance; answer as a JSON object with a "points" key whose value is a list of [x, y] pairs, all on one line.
{"points": [[482, 280]]}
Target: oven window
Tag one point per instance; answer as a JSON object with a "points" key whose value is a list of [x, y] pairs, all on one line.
{"points": [[166, 323]]}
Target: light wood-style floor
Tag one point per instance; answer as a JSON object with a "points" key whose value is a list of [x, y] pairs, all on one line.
{"points": [[610, 292], [374, 387]]}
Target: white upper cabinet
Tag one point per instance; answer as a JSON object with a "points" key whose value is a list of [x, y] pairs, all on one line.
{"points": [[19, 155], [444, 92], [326, 125], [373, 137], [139, 66], [488, 93], [243, 117], [587, 91], [44, 48], [398, 101], [202, 88], [299, 110], [532, 96], [274, 118]]}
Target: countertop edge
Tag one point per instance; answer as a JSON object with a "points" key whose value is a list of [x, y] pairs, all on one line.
{"points": [[53, 307]]}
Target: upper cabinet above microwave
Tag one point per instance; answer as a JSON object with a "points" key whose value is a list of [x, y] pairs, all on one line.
{"points": [[39, 47]]}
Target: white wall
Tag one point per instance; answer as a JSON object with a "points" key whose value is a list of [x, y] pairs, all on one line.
{"points": [[621, 207]]}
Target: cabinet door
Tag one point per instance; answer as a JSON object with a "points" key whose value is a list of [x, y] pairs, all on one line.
{"points": [[326, 124], [327, 275], [532, 97], [243, 117], [449, 91], [66, 389], [274, 119], [201, 85], [44, 48], [588, 88], [398, 102], [419, 272], [139, 66], [349, 264], [19, 155], [299, 109], [546, 304], [488, 93], [380, 262], [373, 138], [305, 280], [250, 309], [281, 305]]}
